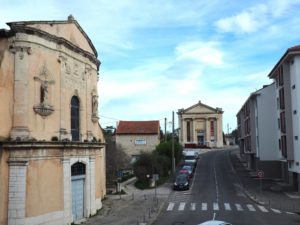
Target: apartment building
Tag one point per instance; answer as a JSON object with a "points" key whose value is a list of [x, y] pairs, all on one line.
{"points": [[286, 76], [257, 129]]}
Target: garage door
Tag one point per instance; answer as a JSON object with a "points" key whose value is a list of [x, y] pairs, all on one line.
{"points": [[77, 197]]}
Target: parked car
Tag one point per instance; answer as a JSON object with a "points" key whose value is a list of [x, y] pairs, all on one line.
{"points": [[193, 165], [190, 157], [186, 173], [181, 182], [188, 168]]}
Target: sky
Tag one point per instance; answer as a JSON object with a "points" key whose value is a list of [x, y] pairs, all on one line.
{"points": [[158, 56]]}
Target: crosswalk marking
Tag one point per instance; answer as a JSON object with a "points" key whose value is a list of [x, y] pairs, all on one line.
{"points": [[216, 206], [238, 207], [181, 206], [251, 208], [227, 206], [193, 206], [275, 210], [263, 209], [170, 206], [204, 206]]}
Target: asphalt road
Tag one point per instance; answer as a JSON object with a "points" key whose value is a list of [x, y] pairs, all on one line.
{"points": [[216, 194]]}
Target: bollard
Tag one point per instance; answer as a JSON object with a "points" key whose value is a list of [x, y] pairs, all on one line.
{"points": [[145, 197]]}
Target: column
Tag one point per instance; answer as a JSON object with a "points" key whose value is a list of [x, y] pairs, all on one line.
{"points": [[93, 189], [17, 192], [87, 193], [207, 142], [20, 114], [67, 191]]}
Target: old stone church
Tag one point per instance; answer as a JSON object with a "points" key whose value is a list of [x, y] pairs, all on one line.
{"points": [[52, 149]]}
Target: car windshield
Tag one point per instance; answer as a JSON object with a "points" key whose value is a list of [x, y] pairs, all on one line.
{"points": [[189, 157], [187, 167], [181, 179]]}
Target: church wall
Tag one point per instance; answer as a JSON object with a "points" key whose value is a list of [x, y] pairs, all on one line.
{"points": [[3, 186], [6, 89], [44, 187]]}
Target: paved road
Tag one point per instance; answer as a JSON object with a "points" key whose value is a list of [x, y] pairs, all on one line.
{"points": [[216, 193]]}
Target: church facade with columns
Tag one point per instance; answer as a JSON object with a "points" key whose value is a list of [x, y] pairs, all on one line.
{"points": [[200, 126], [52, 149]]}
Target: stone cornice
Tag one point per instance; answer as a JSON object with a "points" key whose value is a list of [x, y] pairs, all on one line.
{"points": [[59, 40], [25, 145]]}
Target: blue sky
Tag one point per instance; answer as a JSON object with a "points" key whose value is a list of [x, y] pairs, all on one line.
{"points": [[160, 56]]}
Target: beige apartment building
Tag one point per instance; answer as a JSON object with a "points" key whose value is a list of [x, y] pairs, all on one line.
{"points": [[52, 150], [200, 126]]}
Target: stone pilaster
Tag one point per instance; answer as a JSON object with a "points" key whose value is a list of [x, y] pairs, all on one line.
{"points": [[93, 189], [17, 192], [67, 191], [63, 134], [20, 115]]}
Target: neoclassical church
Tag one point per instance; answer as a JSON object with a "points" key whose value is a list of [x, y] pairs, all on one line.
{"points": [[52, 149], [200, 126]]}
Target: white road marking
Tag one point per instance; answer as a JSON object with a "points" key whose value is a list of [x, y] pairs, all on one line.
{"points": [[263, 209], [290, 213], [170, 206], [238, 207], [193, 206], [181, 206], [251, 208], [204, 206], [216, 206], [276, 210], [227, 206]]}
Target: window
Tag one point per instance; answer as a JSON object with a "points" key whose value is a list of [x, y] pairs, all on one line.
{"points": [[212, 128], [75, 118], [281, 98], [294, 86], [281, 75], [296, 137], [140, 142], [295, 112], [283, 146], [78, 169], [282, 122], [188, 131]]}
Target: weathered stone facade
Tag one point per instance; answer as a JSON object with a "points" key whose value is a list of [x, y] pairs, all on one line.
{"points": [[200, 126], [49, 123]]}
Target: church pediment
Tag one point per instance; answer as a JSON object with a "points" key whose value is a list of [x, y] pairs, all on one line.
{"points": [[201, 108], [70, 30]]}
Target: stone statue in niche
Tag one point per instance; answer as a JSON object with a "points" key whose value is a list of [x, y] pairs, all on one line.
{"points": [[44, 93], [95, 105], [95, 117], [43, 108]]}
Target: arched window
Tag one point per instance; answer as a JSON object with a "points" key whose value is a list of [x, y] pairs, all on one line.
{"points": [[75, 118], [78, 169]]}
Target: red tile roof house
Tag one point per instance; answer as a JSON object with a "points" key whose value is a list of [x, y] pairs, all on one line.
{"points": [[135, 137]]}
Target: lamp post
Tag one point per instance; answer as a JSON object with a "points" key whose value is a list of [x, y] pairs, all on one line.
{"points": [[173, 158]]}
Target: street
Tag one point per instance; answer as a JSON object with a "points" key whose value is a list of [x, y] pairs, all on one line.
{"points": [[216, 193]]}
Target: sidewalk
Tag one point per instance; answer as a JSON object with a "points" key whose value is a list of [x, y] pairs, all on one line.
{"points": [[272, 194], [137, 207]]}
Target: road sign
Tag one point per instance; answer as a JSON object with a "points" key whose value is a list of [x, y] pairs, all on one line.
{"points": [[260, 173], [120, 173]]}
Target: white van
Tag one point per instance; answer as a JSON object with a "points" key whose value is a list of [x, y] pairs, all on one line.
{"points": [[190, 157]]}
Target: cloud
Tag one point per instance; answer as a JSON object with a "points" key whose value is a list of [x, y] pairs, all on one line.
{"points": [[200, 52], [247, 21]]}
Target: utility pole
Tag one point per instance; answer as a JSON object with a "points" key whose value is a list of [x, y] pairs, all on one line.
{"points": [[173, 158], [165, 129]]}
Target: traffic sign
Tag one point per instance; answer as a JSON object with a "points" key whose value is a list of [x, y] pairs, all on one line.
{"points": [[120, 173], [260, 173]]}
